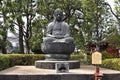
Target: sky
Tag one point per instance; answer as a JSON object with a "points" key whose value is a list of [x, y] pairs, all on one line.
{"points": [[111, 2]]}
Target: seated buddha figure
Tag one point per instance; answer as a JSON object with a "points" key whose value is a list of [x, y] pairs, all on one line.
{"points": [[58, 30]]}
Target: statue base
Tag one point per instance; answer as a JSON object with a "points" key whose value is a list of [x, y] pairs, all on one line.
{"points": [[45, 64], [57, 51], [57, 48], [57, 57]]}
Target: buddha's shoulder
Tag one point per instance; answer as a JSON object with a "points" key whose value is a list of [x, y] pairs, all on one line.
{"points": [[65, 24], [51, 24]]}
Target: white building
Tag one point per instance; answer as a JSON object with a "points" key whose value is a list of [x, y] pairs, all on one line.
{"points": [[14, 39]]}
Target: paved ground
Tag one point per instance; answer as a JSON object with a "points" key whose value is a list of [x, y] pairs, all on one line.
{"points": [[31, 70]]}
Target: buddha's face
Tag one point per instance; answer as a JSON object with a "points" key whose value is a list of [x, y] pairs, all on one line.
{"points": [[58, 14]]}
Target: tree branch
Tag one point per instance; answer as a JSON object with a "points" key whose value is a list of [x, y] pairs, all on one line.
{"points": [[112, 11]]}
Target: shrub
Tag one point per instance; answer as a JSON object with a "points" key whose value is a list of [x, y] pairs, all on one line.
{"points": [[113, 63], [84, 59], [106, 55], [15, 59], [78, 56], [24, 59], [9, 60], [37, 57], [4, 62]]}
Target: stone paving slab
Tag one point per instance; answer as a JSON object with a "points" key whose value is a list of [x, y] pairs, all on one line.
{"points": [[31, 70], [32, 73]]}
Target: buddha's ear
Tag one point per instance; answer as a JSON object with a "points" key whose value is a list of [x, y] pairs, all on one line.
{"points": [[54, 16]]}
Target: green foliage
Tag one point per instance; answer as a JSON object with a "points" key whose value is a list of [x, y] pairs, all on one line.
{"points": [[117, 11], [89, 60], [77, 56], [98, 21], [113, 63], [83, 58], [15, 59], [37, 34], [106, 55], [4, 24], [24, 59], [10, 60], [4, 62]]}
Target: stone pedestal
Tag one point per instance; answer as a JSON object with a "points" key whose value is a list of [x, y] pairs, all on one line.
{"points": [[57, 51], [51, 64], [57, 57]]}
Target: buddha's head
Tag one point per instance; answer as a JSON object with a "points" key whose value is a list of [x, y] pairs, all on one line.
{"points": [[58, 14]]}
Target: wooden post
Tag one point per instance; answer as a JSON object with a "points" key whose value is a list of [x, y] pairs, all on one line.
{"points": [[98, 75], [97, 60]]}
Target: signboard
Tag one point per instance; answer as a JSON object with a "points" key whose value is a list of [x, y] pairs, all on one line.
{"points": [[62, 67], [96, 58]]}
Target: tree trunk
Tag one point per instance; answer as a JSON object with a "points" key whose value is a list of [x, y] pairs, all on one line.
{"points": [[27, 46], [21, 46], [4, 51]]}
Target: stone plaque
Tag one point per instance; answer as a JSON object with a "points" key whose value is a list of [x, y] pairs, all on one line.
{"points": [[96, 58], [62, 67]]}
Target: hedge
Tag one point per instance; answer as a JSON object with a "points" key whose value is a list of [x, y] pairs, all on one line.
{"points": [[84, 59], [77, 56], [106, 55], [113, 63], [4, 62], [9, 60]]}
